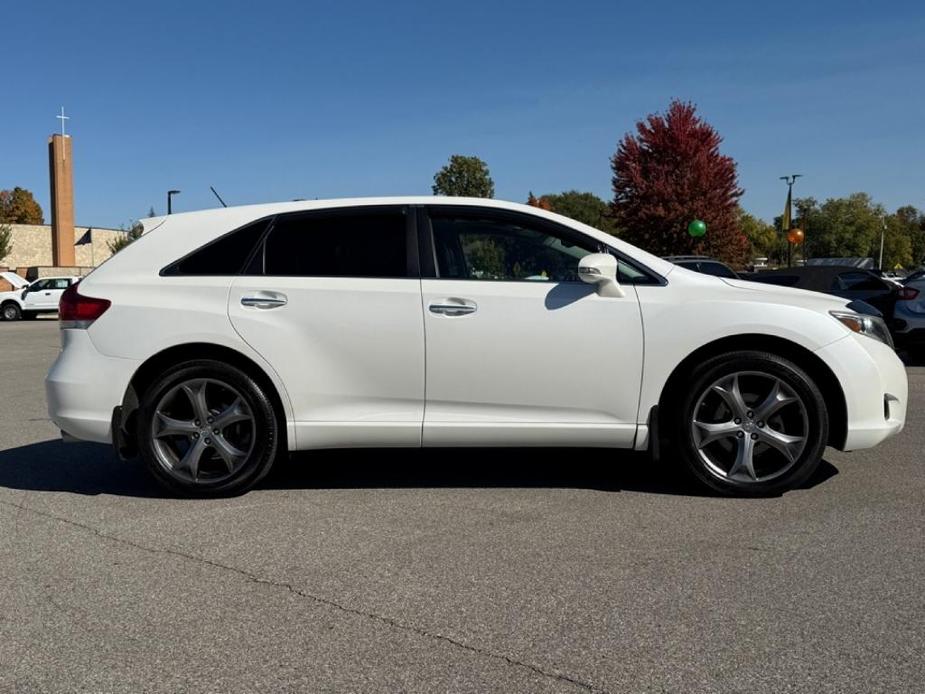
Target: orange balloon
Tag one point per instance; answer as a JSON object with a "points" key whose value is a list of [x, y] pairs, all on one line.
{"points": [[795, 236]]}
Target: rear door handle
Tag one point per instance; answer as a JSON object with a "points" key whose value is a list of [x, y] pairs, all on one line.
{"points": [[265, 300], [453, 309]]}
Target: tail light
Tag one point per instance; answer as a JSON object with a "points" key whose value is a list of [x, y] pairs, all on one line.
{"points": [[907, 294], [78, 311]]}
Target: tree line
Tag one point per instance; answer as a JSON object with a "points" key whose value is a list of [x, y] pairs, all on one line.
{"points": [[670, 171], [666, 173]]}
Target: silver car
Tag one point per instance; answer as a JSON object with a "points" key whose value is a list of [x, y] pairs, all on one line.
{"points": [[908, 325]]}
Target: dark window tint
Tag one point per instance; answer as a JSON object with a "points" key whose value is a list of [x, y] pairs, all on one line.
{"points": [[780, 280], [716, 269], [858, 281], [224, 256], [487, 249], [354, 244]]}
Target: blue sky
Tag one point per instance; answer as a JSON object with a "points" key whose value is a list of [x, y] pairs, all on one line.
{"points": [[280, 100]]}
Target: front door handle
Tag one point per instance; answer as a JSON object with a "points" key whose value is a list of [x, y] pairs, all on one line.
{"points": [[265, 300], [453, 309]]}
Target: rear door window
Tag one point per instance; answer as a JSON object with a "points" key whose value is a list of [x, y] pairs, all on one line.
{"points": [[338, 243]]}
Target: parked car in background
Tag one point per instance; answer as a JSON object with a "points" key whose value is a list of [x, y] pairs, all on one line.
{"points": [[704, 265], [431, 321], [854, 284], [41, 296], [913, 276], [908, 321]]}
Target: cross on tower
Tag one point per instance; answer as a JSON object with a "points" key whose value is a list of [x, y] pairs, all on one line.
{"points": [[63, 118]]}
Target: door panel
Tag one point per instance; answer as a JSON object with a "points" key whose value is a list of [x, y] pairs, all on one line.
{"points": [[350, 351], [518, 351], [46, 296], [534, 364]]}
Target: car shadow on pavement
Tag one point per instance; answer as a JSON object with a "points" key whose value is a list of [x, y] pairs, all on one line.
{"points": [[88, 468]]}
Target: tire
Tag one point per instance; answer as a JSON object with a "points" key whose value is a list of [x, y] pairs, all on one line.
{"points": [[229, 452], [10, 311], [768, 439]]}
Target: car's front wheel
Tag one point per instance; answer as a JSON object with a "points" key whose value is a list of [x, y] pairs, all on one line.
{"points": [[10, 311], [750, 424], [207, 429]]}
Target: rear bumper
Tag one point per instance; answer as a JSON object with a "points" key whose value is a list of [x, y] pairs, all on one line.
{"points": [[875, 386], [83, 387]]}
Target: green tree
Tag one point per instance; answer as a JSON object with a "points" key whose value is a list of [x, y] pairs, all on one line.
{"points": [[464, 177], [6, 241], [120, 242], [586, 208], [851, 228], [763, 237], [18, 206], [897, 245], [911, 222]]}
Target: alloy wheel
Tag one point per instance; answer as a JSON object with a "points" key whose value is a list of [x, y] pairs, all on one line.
{"points": [[203, 431], [749, 427]]}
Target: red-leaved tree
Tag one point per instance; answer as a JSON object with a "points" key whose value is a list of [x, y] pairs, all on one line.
{"points": [[670, 173]]}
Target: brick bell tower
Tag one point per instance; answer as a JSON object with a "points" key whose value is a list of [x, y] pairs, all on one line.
{"points": [[61, 175]]}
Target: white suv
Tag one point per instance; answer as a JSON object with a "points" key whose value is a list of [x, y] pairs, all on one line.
{"points": [[222, 338], [41, 296]]}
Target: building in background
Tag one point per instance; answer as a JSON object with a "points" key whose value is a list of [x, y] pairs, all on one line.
{"points": [[43, 250]]}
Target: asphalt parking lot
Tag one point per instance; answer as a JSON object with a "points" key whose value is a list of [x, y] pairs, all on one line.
{"points": [[450, 571]]}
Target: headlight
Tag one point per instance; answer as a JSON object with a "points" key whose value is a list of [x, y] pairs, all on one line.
{"points": [[871, 326]]}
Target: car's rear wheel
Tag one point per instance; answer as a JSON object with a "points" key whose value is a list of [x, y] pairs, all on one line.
{"points": [[207, 429], [10, 311], [750, 424]]}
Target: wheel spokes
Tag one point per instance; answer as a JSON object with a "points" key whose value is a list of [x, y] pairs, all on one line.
{"points": [[744, 464], [230, 454], [168, 426], [753, 407], [190, 460], [730, 392], [776, 399], [790, 446], [715, 431], [199, 443], [235, 412], [196, 392]]}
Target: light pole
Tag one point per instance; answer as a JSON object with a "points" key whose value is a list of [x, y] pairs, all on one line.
{"points": [[170, 194], [882, 234], [787, 221]]}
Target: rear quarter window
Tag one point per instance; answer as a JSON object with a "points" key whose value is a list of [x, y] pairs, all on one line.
{"points": [[225, 255]]}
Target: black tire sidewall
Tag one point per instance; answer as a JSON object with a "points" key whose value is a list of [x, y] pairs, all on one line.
{"points": [[774, 365], [267, 430]]}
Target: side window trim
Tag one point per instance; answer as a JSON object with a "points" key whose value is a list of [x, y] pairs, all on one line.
{"points": [[429, 252]]}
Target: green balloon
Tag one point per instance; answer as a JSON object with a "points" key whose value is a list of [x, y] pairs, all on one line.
{"points": [[697, 228]]}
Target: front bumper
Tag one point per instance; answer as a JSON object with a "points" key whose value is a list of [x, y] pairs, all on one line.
{"points": [[875, 386], [83, 387]]}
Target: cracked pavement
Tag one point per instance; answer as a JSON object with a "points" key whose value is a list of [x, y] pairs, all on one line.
{"points": [[475, 570]]}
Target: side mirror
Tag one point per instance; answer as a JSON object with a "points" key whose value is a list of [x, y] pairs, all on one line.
{"points": [[600, 269]]}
